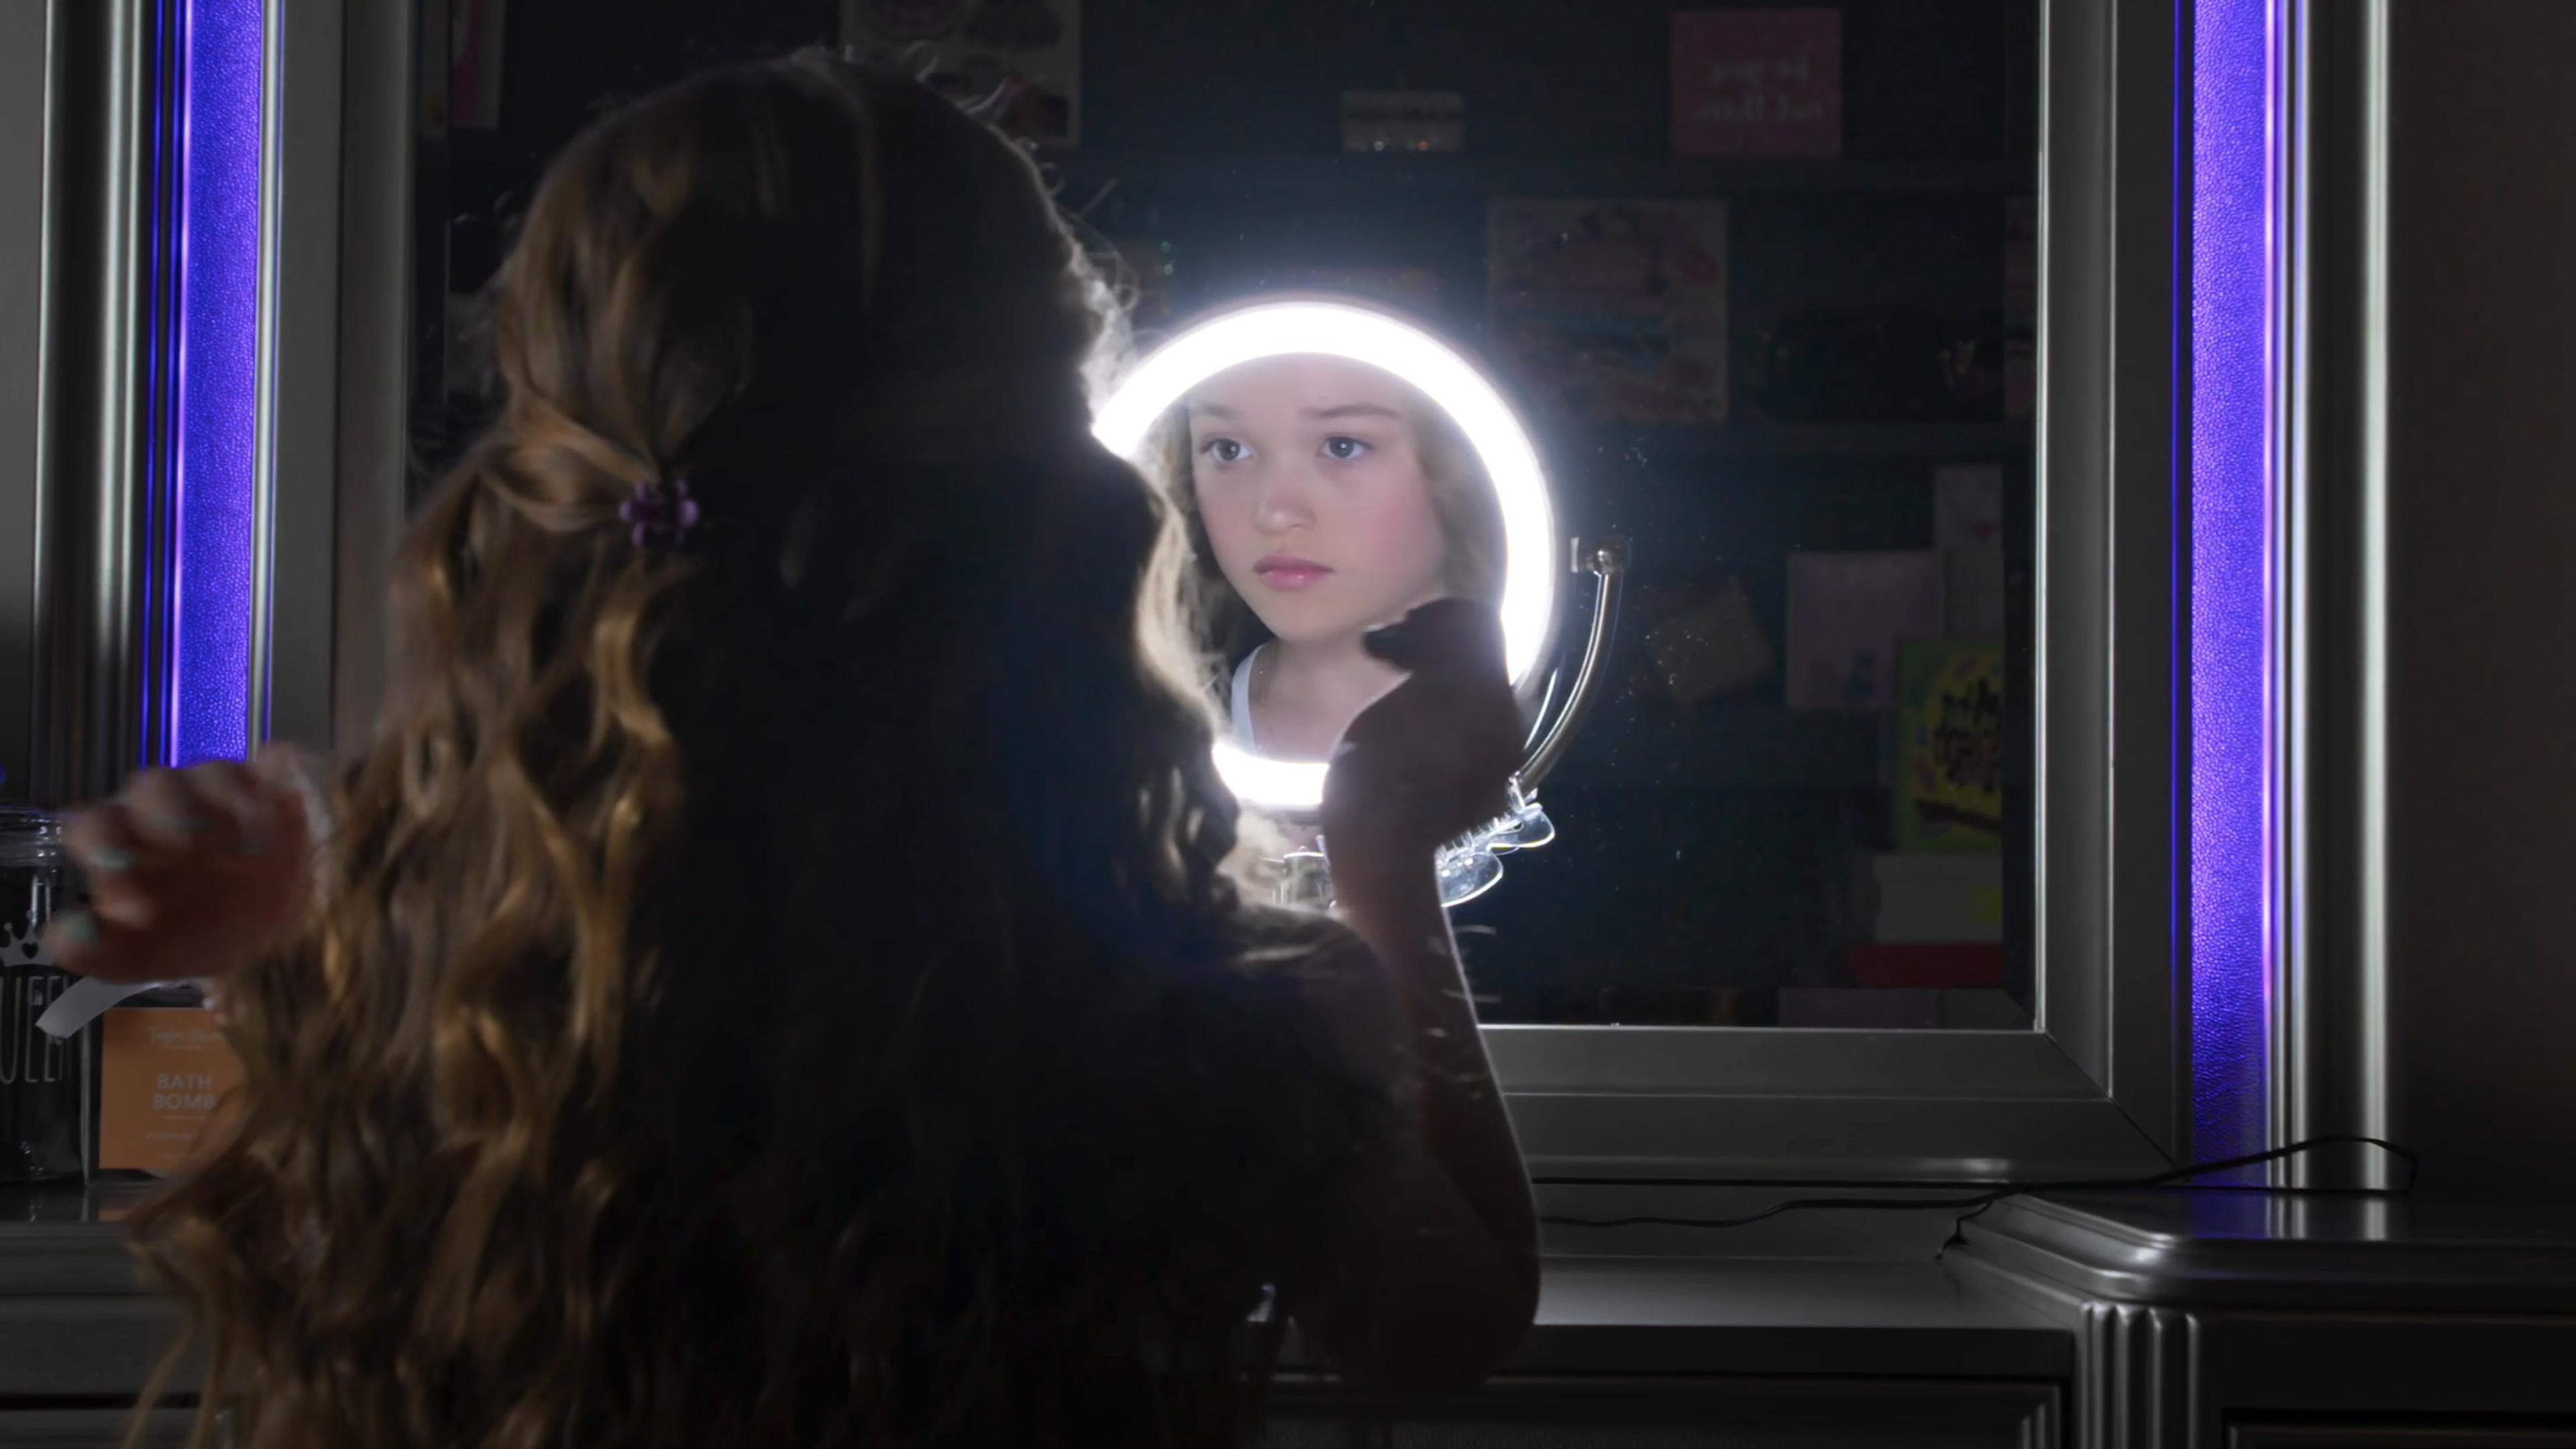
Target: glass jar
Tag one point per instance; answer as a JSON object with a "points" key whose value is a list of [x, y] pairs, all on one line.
{"points": [[40, 1075]]}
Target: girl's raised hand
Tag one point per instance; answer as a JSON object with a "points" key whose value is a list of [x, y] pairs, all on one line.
{"points": [[193, 873], [1433, 758]]}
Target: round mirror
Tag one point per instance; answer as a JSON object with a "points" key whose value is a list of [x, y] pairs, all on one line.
{"points": [[1342, 465]]}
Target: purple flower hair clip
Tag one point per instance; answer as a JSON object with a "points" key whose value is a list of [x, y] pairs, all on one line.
{"points": [[660, 518]]}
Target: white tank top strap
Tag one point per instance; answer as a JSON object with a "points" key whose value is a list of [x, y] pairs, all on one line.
{"points": [[1240, 704]]}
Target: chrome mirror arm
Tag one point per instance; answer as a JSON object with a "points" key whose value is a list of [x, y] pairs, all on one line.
{"points": [[1607, 562]]}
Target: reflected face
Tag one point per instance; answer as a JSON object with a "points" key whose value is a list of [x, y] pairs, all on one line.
{"points": [[1308, 475]]}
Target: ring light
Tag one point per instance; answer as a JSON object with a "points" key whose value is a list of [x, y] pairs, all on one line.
{"points": [[1452, 383]]}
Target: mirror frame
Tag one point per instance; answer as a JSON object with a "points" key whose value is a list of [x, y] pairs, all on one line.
{"points": [[2095, 1088]]}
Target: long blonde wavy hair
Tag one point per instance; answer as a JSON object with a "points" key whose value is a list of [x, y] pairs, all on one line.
{"points": [[787, 989]]}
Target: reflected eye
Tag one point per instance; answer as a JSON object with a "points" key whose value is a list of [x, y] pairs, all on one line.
{"points": [[1345, 450], [1222, 451]]}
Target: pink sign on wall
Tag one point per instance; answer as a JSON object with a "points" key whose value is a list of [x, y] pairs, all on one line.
{"points": [[1758, 83]]}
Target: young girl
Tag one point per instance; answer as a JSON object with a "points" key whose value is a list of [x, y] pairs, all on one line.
{"points": [[1329, 499], [775, 976]]}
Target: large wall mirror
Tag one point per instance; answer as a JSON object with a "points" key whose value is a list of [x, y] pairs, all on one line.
{"points": [[1757, 284]]}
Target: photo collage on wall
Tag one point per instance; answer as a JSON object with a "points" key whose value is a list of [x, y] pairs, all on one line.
{"points": [[1613, 311]]}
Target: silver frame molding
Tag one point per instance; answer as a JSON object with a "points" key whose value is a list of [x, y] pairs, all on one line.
{"points": [[379, 84], [2331, 1054], [341, 87], [2096, 1089], [342, 83], [26, 49], [89, 640], [292, 690], [93, 400]]}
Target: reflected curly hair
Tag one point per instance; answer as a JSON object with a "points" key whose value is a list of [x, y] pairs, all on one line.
{"points": [[790, 990]]}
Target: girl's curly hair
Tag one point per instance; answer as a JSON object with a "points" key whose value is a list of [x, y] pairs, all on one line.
{"points": [[788, 989]]}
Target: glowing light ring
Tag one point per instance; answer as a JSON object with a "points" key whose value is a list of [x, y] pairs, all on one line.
{"points": [[1431, 367]]}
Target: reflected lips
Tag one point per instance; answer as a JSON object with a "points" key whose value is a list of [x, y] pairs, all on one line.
{"points": [[1283, 571]]}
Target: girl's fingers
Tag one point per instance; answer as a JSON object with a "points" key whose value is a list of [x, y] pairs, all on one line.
{"points": [[124, 873], [291, 796], [1441, 636], [104, 843], [84, 944], [170, 814], [187, 917], [186, 893], [292, 766], [180, 846], [237, 798], [186, 869]]}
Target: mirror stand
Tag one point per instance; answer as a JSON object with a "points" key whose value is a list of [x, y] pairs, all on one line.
{"points": [[1472, 865]]}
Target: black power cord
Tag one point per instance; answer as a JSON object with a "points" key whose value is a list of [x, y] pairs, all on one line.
{"points": [[1971, 1205]]}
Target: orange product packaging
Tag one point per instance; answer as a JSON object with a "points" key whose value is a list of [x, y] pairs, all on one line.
{"points": [[164, 1073]]}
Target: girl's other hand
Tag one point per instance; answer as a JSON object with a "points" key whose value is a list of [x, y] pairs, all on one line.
{"points": [[193, 873], [1433, 758]]}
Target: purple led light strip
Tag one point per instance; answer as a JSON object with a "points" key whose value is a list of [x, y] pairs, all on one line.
{"points": [[2231, 844], [204, 699]]}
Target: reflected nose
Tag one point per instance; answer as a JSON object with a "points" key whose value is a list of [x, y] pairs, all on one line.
{"points": [[1282, 504]]}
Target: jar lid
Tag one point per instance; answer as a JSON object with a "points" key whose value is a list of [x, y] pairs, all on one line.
{"points": [[29, 836]]}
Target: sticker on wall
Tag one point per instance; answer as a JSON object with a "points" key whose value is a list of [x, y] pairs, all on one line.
{"points": [[1758, 83], [1950, 794]]}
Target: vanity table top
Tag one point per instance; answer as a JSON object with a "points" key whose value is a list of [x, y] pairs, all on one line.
{"points": [[2249, 1249], [1990, 1309], [60, 1246]]}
